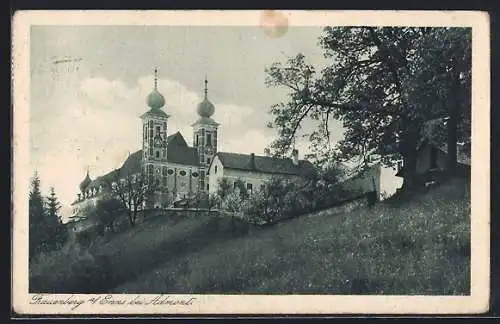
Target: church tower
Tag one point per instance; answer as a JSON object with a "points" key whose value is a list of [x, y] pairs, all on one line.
{"points": [[205, 136], [154, 136]]}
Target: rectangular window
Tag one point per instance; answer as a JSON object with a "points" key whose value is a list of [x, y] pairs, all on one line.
{"points": [[208, 186], [249, 188], [157, 129], [209, 139], [215, 170], [197, 140]]}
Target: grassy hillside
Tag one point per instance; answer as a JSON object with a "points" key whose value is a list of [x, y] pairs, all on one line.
{"points": [[417, 246]]}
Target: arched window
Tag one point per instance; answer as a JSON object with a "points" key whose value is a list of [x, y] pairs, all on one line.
{"points": [[157, 154]]}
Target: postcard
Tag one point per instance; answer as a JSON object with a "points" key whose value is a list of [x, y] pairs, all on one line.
{"points": [[250, 162]]}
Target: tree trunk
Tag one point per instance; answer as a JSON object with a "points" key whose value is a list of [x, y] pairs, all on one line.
{"points": [[409, 152], [452, 128], [131, 219], [410, 168], [452, 144]]}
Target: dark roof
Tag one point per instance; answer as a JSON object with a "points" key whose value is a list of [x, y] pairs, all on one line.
{"points": [[177, 139], [264, 164], [177, 152]]}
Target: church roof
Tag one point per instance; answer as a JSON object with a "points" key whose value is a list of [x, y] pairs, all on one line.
{"points": [[264, 164], [177, 152]]}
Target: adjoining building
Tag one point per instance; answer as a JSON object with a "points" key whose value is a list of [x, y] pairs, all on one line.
{"points": [[254, 170], [179, 170], [432, 162]]}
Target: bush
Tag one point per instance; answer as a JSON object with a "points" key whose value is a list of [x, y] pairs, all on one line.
{"points": [[281, 199]]}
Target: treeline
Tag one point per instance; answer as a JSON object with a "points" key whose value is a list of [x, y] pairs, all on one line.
{"points": [[46, 229]]}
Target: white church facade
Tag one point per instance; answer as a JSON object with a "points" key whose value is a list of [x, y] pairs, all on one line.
{"points": [[180, 170]]}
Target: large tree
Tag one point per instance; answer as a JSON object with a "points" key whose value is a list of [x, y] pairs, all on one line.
{"points": [[132, 190], [46, 231], [38, 234], [57, 230], [382, 83]]}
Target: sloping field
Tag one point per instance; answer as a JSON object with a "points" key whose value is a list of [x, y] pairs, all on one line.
{"points": [[417, 246]]}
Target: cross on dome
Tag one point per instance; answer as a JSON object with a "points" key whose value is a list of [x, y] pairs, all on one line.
{"points": [[155, 99], [206, 108]]}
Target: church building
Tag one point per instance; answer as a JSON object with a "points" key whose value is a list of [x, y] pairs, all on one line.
{"points": [[179, 170]]}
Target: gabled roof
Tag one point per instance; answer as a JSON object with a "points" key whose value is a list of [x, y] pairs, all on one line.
{"points": [[264, 164], [176, 139]]}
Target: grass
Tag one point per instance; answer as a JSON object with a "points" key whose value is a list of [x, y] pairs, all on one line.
{"points": [[417, 246]]}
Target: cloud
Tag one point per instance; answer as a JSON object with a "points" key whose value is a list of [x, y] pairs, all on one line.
{"points": [[97, 125]]}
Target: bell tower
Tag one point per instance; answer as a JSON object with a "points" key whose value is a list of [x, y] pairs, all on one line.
{"points": [[154, 135], [205, 136]]}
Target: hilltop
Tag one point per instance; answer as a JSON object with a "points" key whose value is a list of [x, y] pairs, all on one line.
{"points": [[403, 246]]}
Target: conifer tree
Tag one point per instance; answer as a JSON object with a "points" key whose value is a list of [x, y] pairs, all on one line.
{"points": [[37, 230], [54, 221]]}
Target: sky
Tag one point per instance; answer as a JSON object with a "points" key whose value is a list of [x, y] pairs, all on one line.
{"points": [[84, 114]]}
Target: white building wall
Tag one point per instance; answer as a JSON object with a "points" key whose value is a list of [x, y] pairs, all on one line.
{"points": [[367, 181], [255, 178]]}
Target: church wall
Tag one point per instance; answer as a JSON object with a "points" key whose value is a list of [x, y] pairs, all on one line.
{"points": [[181, 180]]}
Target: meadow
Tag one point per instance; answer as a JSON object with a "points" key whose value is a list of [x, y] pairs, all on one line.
{"points": [[417, 244]]}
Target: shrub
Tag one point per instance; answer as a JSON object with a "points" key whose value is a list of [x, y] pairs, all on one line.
{"points": [[232, 202]]}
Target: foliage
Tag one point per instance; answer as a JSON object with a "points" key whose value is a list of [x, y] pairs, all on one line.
{"points": [[232, 202], [213, 201], [46, 231], [223, 188], [240, 188], [107, 211], [383, 84], [132, 190], [280, 198]]}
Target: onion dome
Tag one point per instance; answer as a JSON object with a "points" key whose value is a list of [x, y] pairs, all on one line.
{"points": [[206, 108], [155, 99], [84, 184]]}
